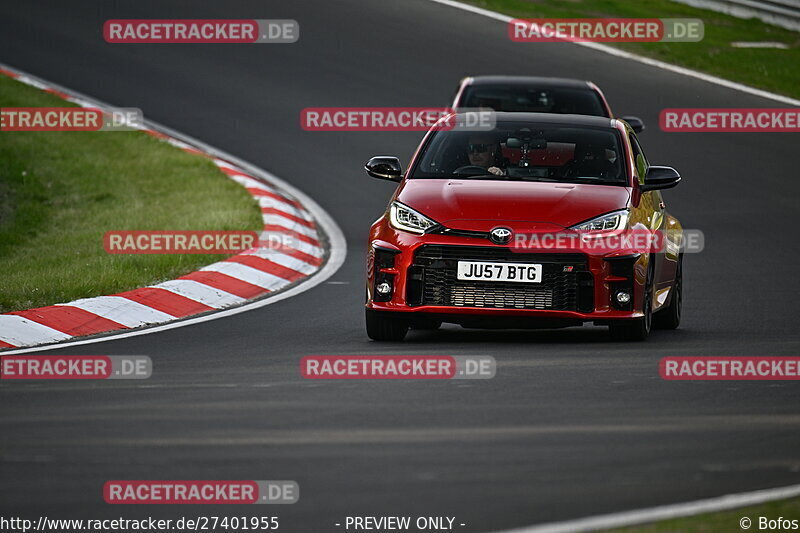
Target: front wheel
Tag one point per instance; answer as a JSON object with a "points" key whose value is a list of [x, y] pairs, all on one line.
{"points": [[381, 327]]}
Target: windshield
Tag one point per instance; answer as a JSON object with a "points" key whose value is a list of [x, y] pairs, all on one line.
{"points": [[532, 100], [527, 152]]}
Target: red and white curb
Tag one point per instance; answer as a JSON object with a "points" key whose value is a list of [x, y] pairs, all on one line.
{"points": [[288, 216]]}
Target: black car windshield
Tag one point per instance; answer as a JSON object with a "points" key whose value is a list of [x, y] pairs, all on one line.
{"points": [[527, 152], [562, 100]]}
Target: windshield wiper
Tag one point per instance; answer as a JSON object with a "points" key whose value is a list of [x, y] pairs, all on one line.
{"points": [[506, 177], [476, 176], [589, 178]]}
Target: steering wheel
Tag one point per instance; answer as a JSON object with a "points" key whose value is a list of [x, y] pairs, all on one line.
{"points": [[470, 169]]}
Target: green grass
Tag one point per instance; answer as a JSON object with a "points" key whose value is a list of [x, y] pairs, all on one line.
{"points": [[722, 522], [771, 69], [61, 191]]}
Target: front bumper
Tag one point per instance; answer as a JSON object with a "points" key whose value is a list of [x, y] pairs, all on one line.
{"points": [[575, 288]]}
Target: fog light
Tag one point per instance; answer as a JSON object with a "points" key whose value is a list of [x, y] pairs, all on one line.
{"points": [[383, 288], [623, 297]]}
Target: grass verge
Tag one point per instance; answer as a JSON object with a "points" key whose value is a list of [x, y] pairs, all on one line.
{"points": [[724, 521], [764, 68], [61, 191]]}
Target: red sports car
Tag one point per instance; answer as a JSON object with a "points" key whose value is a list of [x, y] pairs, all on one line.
{"points": [[500, 229]]}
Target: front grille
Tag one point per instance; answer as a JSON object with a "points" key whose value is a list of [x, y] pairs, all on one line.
{"points": [[432, 280]]}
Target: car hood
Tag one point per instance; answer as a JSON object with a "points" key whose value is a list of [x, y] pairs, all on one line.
{"points": [[480, 204]]}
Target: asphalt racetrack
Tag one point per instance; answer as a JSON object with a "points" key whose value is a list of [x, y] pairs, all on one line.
{"points": [[572, 425]]}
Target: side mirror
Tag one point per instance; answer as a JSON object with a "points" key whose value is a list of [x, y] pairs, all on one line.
{"points": [[658, 178], [636, 124], [385, 168]]}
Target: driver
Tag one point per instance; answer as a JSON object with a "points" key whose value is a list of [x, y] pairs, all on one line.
{"points": [[484, 151]]}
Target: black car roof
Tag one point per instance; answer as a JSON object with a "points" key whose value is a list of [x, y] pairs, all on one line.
{"points": [[537, 81], [556, 118]]}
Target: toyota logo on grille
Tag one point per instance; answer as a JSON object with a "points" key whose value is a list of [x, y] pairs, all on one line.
{"points": [[500, 235]]}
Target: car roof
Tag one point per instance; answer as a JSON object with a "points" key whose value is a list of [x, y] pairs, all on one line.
{"points": [[557, 118], [538, 81]]}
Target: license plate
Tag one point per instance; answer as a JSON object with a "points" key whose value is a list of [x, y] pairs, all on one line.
{"points": [[480, 271]]}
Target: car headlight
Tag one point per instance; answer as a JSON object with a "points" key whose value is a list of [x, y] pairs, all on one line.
{"points": [[609, 222], [404, 218]]}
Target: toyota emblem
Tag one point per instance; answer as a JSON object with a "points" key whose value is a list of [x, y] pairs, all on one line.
{"points": [[500, 235]]}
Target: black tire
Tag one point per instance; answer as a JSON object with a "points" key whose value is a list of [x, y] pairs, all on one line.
{"points": [[385, 328], [637, 329], [670, 318]]}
